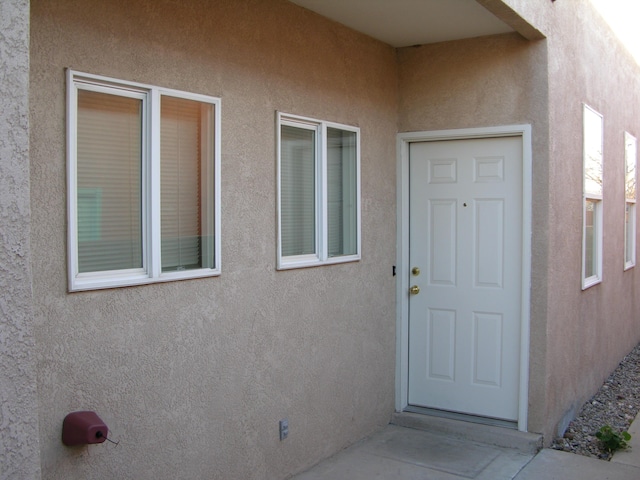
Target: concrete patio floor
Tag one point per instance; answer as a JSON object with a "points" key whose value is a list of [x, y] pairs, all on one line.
{"points": [[428, 448]]}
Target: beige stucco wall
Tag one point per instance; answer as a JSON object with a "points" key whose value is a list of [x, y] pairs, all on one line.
{"points": [[498, 80], [192, 377], [19, 452], [588, 332], [494, 80]]}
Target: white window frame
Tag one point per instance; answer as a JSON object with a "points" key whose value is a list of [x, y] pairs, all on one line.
{"points": [[321, 255], [597, 198], [150, 179], [630, 159]]}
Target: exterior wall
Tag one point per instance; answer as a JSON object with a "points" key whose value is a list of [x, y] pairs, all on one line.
{"points": [[498, 80], [493, 80], [19, 451], [192, 376], [588, 331]]}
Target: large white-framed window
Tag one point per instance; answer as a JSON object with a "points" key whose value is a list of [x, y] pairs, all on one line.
{"points": [[592, 235], [318, 192], [143, 183], [630, 197]]}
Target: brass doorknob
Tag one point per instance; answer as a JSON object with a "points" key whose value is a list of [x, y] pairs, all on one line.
{"points": [[414, 290], [415, 271]]}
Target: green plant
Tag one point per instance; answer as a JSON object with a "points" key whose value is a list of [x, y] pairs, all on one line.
{"points": [[611, 439]]}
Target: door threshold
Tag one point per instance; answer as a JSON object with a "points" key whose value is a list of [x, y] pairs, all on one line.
{"points": [[463, 417], [462, 427]]}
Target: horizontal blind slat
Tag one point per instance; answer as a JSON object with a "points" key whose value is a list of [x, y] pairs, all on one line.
{"points": [[181, 194], [109, 152], [297, 191]]}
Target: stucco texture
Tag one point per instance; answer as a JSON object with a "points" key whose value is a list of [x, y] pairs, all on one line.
{"points": [[588, 331], [193, 376], [19, 453]]}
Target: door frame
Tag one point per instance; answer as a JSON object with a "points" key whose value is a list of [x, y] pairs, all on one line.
{"points": [[402, 254]]}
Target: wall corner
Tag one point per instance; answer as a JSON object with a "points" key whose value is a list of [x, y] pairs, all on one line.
{"points": [[19, 434]]}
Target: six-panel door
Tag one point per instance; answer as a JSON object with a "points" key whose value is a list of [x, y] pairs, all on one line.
{"points": [[466, 240]]}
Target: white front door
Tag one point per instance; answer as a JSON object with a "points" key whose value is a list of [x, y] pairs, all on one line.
{"points": [[465, 256]]}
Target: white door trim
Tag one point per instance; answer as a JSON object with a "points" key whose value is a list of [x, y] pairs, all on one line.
{"points": [[402, 259]]}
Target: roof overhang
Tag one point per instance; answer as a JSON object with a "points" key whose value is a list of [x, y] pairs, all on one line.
{"points": [[402, 23]]}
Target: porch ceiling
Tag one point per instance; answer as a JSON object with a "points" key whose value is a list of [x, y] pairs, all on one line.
{"points": [[402, 23]]}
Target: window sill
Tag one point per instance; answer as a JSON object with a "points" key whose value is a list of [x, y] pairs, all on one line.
{"points": [[590, 282], [117, 281], [305, 262]]}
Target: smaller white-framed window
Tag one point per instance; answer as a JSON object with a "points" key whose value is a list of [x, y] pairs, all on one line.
{"points": [[143, 167], [592, 233], [630, 197], [318, 192]]}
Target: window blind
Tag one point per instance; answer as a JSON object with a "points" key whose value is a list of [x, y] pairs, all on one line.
{"points": [[183, 202], [629, 232], [341, 192], [109, 152], [297, 191]]}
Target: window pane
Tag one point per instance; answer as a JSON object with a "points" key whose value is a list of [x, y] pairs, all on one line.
{"points": [[630, 167], [186, 184], [341, 192], [592, 152], [109, 150], [629, 233], [630, 154], [590, 225], [297, 191]]}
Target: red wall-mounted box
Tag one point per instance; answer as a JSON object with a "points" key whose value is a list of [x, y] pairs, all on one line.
{"points": [[83, 428]]}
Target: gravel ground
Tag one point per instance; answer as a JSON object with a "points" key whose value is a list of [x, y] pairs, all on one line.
{"points": [[616, 404]]}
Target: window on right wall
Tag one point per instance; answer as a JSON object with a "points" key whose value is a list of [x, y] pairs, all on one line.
{"points": [[630, 160], [592, 188]]}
